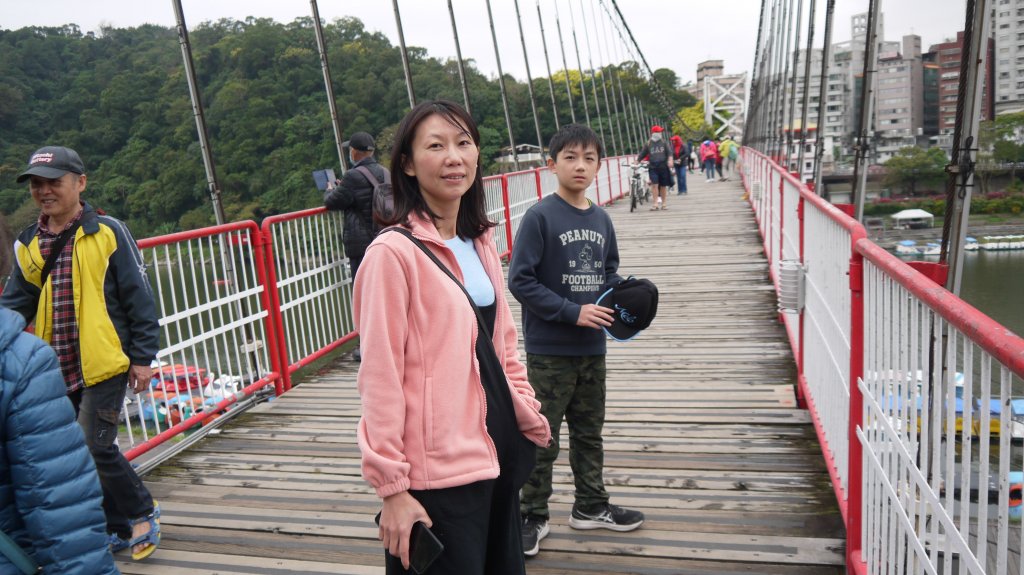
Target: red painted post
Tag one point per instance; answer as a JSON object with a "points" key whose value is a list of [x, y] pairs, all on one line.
{"points": [[274, 310], [597, 186], [801, 400], [268, 298], [508, 211], [782, 215], [618, 169], [855, 477], [540, 191]]}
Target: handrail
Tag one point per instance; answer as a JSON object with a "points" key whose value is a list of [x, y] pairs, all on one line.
{"points": [[1002, 344], [902, 343]]}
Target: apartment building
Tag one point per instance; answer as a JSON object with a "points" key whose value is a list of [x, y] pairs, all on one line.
{"points": [[1008, 31]]}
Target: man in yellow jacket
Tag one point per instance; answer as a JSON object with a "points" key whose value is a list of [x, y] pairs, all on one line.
{"points": [[80, 277]]}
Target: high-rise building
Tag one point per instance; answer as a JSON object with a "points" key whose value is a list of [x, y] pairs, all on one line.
{"points": [[1008, 30], [947, 56], [899, 98]]}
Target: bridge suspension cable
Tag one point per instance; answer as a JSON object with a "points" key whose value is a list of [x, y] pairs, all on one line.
{"points": [[590, 59], [405, 56], [792, 88], [197, 111], [458, 56], [565, 63], [826, 55], [960, 183], [579, 66], [328, 85], [501, 85], [863, 147], [529, 80], [547, 63], [807, 89]]}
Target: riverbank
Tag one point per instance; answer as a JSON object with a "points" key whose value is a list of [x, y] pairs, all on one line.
{"points": [[979, 226]]}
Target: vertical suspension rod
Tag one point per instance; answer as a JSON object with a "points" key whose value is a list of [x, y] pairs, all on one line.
{"points": [[197, 112], [826, 55], [579, 65], [754, 86], [529, 81], [792, 88], [612, 106], [860, 166], [631, 140], [565, 63], [501, 84], [547, 63], [965, 136], [405, 56], [593, 83], [328, 85], [458, 54], [807, 89]]}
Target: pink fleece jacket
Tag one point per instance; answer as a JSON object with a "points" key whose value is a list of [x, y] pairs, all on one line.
{"points": [[423, 422]]}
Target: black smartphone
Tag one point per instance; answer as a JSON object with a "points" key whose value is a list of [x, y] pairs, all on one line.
{"points": [[424, 546]]}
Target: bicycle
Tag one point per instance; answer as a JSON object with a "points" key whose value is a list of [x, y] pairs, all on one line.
{"points": [[639, 191]]}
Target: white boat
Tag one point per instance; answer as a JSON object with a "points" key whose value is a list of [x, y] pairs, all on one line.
{"points": [[907, 248]]}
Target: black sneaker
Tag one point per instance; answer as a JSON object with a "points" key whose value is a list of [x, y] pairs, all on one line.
{"points": [[606, 516], [534, 529]]}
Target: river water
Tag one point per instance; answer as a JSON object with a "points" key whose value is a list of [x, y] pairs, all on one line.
{"points": [[993, 282]]}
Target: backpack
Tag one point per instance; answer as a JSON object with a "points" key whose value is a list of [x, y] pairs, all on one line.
{"points": [[733, 152], [383, 203]]}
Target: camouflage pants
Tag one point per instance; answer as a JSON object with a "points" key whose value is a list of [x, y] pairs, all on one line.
{"points": [[571, 387]]}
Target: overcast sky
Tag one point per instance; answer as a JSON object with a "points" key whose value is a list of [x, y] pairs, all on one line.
{"points": [[675, 34]]}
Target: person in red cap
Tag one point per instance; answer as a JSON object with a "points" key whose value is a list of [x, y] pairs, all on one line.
{"points": [[658, 152]]}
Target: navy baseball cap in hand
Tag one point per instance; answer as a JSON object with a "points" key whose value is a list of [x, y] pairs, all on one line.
{"points": [[635, 303]]}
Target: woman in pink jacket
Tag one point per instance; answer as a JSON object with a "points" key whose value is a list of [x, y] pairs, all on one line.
{"points": [[449, 421]]}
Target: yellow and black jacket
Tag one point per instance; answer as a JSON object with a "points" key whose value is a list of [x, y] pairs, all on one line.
{"points": [[114, 307]]}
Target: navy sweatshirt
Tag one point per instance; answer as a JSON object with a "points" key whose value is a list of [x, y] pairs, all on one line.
{"points": [[563, 258]]}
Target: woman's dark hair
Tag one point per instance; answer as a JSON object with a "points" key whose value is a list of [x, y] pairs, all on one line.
{"points": [[471, 220]]}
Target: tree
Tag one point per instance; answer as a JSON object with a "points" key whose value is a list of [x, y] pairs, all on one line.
{"points": [[911, 166]]}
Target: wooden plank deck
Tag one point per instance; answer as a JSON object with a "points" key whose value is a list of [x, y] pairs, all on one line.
{"points": [[703, 435]]}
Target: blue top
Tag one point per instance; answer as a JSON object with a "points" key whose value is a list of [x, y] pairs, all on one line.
{"points": [[50, 498], [563, 258], [473, 275]]}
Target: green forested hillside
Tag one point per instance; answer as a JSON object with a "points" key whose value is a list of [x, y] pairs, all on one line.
{"points": [[121, 99]]}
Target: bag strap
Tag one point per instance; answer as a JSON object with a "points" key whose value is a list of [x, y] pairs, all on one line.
{"points": [[55, 249], [17, 556], [371, 178], [444, 268]]}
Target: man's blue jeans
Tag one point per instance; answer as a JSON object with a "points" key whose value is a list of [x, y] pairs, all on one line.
{"points": [[124, 496]]}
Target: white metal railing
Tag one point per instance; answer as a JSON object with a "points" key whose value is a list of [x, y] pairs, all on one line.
{"points": [[919, 447], [314, 284], [214, 344], [938, 425]]}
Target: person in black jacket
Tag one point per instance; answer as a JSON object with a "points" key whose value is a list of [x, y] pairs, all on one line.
{"points": [[354, 194]]}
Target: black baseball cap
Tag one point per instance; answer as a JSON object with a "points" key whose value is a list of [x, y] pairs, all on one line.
{"points": [[360, 141], [635, 302], [52, 162]]}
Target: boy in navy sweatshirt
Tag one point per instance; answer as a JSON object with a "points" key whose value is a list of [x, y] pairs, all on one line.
{"points": [[563, 258]]}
